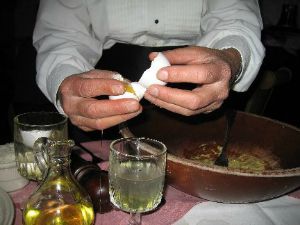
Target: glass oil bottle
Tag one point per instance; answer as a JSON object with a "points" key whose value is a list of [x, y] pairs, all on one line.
{"points": [[59, 199]]}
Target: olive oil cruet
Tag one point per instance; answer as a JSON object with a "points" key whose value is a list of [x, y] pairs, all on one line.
{"points": [[59, 199]]}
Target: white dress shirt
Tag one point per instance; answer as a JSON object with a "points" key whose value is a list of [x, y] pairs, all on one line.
{"points": [[70, 35]]}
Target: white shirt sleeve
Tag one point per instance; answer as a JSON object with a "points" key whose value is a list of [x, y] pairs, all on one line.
{"points": [[236, 24], [65, 45]]}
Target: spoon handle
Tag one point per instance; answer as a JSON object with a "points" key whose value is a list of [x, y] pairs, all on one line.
{"points": [[222, 159]]}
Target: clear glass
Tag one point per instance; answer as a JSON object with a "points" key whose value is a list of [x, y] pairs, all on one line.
{"points": [[59, 199], [28, 127], [136, 175]]}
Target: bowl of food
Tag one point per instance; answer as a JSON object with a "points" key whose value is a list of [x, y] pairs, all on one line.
{"points": [[264, 154]]}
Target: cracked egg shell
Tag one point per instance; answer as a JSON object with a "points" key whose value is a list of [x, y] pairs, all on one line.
{"points": [[136, 90], [149, 76], [133, 90]]}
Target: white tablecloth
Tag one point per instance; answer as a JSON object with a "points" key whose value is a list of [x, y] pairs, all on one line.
{"points": [[280, 211]]}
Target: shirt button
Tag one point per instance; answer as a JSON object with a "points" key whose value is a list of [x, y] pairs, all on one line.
{"points": [[156, 21]]}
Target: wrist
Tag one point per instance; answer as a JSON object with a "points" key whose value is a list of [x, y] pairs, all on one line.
{"points": [[233, 57]]}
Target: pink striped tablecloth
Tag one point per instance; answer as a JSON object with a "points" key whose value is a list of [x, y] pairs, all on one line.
{"points": [[177, 203]]}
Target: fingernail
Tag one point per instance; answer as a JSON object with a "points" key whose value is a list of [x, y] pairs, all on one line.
{"points": [[153, 91], [163, 75], [117, 89]]}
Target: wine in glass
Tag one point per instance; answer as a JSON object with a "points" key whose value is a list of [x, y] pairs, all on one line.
{"points": [[136, 175]]}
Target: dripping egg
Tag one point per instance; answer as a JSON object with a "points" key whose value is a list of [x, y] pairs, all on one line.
{"points": [[137, 90]]}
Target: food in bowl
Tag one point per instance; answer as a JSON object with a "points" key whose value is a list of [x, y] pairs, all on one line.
{"points": [[255, 159]]}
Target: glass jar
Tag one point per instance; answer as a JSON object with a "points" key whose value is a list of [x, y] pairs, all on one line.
{"points": [[28, 128]]}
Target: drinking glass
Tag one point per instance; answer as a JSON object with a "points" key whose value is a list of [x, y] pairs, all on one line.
{"points": [[29, 127], [136, 175]]}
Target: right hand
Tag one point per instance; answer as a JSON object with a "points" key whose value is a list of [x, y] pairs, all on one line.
{"points": [[78, 92]]}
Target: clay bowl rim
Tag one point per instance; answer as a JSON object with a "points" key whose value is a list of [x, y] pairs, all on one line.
{"points": [[230, 171], [292, 172]]}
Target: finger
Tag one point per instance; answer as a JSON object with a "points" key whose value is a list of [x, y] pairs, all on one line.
{"points": [[99, 74], [184, 111], [98, 109], [89, 124], [84, 128], [185, 55], [197, 74], [188, 99], [212, 107], [91, 87], [171, 107]]}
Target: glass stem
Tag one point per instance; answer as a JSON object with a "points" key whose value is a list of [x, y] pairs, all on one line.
{"points": [[135, 219]]}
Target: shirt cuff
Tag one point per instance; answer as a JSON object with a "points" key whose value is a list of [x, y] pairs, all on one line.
{"points": [[241, 46]]}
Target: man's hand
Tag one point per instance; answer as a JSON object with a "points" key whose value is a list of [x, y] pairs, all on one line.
{"points": [[78, 93], [210, 69]]}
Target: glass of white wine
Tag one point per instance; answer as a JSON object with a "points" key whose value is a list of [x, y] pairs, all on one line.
{"points": [[136, 175]]}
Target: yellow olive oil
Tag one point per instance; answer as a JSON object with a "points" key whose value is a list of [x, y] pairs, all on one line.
{"points": [[59, 199], [65, 214]]}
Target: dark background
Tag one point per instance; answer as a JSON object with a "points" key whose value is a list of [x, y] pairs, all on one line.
{"points": [[274, 94]]}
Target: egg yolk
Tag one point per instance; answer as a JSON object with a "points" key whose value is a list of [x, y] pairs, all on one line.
{"points": [[129, 88]]}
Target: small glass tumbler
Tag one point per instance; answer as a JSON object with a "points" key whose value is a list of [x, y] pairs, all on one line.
{"points": [[29, 127], [136, 175]]}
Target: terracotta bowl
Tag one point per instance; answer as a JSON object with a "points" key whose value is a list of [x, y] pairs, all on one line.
{"points": [[217, 183]]}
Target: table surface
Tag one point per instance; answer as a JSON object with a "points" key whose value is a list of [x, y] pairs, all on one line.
{"points": [[177, 203]]}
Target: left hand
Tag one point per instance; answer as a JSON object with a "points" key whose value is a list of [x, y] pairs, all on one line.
{"points": [[212, 71]]}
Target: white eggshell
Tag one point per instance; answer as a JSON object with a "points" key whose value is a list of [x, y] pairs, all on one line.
{"points": [[125, 95], [118, 77], [149, 76], [138, 89]]}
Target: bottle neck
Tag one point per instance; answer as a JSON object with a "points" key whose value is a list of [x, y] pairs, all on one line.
{"points": [[59, 166], [59, 155]]}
